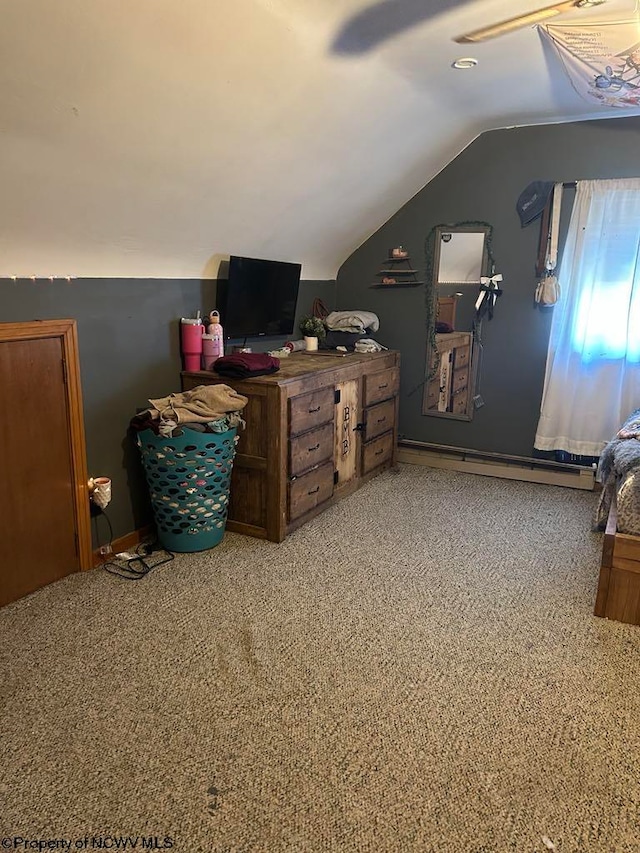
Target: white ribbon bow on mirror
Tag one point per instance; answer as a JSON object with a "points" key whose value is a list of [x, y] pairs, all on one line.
{"points": [[489, 290]]}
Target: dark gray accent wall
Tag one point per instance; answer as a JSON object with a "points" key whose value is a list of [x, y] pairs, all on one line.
{"points": [[483, 183], [129, 352]]}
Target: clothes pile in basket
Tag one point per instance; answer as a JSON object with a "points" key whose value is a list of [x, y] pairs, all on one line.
{"points": [[205, 408], [187, 446]]}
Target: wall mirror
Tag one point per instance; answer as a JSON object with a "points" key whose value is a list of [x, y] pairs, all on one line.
{"points": [[461, 257], [457, 256]]}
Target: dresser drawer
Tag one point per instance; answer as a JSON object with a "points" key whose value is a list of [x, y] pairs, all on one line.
{"points": [[376, 452], [381, 386], [379, 418], [461, 356], [459, 403], [310, 490], [433, 394], [311, 410], [308, 450], [460, 379]]}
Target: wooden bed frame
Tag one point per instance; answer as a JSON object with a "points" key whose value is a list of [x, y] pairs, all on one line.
{"points": [[619, 584]]}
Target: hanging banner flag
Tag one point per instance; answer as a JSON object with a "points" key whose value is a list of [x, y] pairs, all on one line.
{"points": [[601, 60]]}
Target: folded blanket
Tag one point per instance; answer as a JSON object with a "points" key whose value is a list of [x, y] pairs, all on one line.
{"points": [[620, 455], [618, 460], [368, 345], [242, 365], [352, 321]]}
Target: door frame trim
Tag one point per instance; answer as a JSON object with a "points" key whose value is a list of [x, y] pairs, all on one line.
{"points": [[67, 332]]}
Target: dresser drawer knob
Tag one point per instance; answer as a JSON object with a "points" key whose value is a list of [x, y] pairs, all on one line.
{"points": [[380, 387], [313, 491], [311, 449], [381, 420], [379, 452], [313, 411]]}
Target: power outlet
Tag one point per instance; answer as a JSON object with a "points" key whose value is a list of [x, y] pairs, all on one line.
{"points": [[105, 550]]}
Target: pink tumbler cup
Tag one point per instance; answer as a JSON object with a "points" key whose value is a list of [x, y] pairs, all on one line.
{"points": [[191, 340], [209, 352]]}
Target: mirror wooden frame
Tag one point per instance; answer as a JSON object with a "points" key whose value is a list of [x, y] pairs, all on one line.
{"points": [[452, 358]]}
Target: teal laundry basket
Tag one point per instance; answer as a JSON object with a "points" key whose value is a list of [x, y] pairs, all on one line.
{"points": [[189, 477]]}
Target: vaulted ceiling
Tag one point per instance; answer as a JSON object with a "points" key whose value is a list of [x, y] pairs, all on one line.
{"points": [[154, 138]]}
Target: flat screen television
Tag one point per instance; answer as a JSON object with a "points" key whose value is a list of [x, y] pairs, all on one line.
{"points": [[259, 298]]}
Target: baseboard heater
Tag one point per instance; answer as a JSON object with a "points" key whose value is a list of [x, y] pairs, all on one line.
{"points": [[496, 464]]}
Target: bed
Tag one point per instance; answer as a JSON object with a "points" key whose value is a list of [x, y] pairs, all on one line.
{"points": [[618, 514]]}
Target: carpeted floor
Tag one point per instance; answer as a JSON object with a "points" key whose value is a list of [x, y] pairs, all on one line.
{"points": [[418, 669]]}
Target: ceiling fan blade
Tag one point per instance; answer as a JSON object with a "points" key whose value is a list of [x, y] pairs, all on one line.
{"points": [[485, 33]]}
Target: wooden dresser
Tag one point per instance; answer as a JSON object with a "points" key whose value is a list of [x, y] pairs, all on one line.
{"points": [[317, 430], [448, 391]]}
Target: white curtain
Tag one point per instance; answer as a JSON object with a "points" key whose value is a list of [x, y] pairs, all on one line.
{"points": [[592, 380]]}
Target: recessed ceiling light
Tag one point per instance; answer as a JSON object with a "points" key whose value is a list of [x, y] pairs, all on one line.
{"points": [[465, 62]]}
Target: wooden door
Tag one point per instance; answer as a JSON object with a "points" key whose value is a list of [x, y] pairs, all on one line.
{"points": [[44, 508]]}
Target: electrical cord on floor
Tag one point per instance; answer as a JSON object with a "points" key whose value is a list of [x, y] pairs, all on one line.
{"points": [[135, 568], [131, 568]]}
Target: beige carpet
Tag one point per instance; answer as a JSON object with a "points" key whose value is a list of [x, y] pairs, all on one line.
{"points": [[416, 670]]}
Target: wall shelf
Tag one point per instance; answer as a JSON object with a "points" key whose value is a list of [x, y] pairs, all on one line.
{"points": [[398, 284], [398, 272]]}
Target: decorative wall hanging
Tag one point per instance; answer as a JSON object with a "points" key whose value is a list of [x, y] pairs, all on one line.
{"points": [[601, 60], [489, 293], [548, 288]]}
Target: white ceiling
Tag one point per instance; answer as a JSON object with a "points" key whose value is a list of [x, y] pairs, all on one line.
{"points": [[154, 138]]}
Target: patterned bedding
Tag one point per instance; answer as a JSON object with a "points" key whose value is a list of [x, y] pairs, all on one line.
{"points": [[619, 473]]}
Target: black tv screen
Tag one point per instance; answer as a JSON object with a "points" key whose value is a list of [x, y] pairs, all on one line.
{"points": [[260, 298]]}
